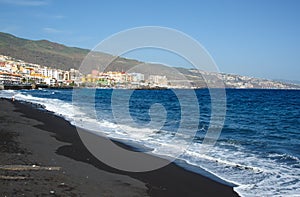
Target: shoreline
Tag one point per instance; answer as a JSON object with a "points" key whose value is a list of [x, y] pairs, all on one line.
{"points": [[170, 180], [25, 87]]}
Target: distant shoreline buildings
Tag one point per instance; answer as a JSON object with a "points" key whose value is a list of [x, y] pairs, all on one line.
{"points": [[18, 71], [15, 72]]}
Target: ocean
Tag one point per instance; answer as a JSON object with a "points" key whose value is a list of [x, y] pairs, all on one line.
{"points": [[257, 152]]}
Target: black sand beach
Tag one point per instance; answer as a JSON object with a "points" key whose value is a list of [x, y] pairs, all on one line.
{"points": [[42, 155]]}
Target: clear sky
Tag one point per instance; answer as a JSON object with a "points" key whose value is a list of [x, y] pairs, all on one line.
{"points": [[255, 37]]}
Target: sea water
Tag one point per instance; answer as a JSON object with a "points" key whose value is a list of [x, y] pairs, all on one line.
{"points": [[258, 150]]}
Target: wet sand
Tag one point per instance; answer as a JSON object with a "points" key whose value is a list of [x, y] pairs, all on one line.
{"points": [[41, 154]]}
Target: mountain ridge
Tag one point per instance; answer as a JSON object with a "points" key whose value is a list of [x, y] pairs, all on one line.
{"points": [[41, 52], [55, 55]]}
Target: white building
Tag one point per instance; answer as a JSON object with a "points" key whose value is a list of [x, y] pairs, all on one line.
{"points": [[10, 77], [158, 80], [137, 77], [74, 75], [50, 81]]}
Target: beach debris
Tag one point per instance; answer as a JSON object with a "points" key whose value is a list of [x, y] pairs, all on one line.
{"points": [[26, 168], [62, 185], [13, 177]]}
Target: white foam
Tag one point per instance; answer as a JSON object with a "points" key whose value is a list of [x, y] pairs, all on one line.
{"points": [[252, 174], [7, 93], [59, 107]]}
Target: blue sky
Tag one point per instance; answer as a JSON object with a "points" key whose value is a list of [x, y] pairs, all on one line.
{"points": [[255, 37]]}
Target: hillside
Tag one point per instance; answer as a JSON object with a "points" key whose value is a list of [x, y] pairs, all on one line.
{"points": [[42, 52], [56, 55], [52, 54]]}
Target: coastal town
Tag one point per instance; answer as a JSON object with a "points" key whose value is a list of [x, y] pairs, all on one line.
{"points": [[15, 72], [18, 74]]}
